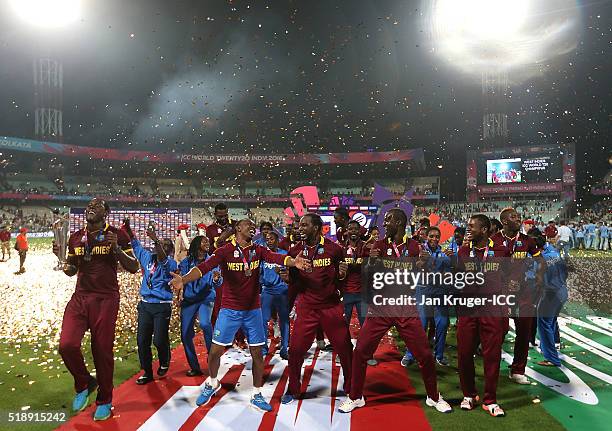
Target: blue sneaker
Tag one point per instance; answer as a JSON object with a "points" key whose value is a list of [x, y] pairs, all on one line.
{"points": [[258, 402], [207, 394], [81, 399], [103, 412], [287, 398]]}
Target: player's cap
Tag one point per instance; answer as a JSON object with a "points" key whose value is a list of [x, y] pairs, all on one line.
{"points": [[23, 230], [200, 226], [183, 227], [528, 221]]}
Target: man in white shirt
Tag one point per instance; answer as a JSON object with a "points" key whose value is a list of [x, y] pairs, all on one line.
{"points": [[564, 234]]}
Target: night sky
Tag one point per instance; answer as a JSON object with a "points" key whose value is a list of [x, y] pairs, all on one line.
{"points": [[316, 76]]}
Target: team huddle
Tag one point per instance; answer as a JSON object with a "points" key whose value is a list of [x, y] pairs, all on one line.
{"points": [[235, 280]]}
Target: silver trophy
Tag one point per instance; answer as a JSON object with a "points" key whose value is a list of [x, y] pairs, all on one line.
{"points": [[60, 235]]}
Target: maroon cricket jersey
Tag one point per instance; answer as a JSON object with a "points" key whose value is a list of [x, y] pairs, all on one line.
{"points": [[319, 288], [392, 256], [354, 256], [239, 291], [99, 275], [491, 260], [397, 253], [520, 248], [213, 232]]}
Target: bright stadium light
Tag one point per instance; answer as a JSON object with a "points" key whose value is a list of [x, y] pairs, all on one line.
{"points": [[478, 35], [48, 13], [482, 19]]}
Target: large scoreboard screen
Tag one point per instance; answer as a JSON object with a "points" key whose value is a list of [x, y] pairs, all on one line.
{"points": [[521, 169]]}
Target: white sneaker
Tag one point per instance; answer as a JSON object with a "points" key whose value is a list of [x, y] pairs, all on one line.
{"points": [[494, 410], [320, 344], [468, 403], [521, 379], [350, 405], [441, 405]]}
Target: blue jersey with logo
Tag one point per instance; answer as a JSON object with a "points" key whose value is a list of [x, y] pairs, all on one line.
{"points": [[156, 275], [555, 278], [270, 280], [203, 289], [438, 262]]}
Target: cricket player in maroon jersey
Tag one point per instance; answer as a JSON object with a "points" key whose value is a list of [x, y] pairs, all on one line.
{"points": [[402, 251], [487, 324], [239, 261], [218, 233], [93, 253], [341, 220], [291, 236], [318, 302], [520, 247], [355, 252], [222, 229]]}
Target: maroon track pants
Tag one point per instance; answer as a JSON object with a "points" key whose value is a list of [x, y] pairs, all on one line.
{"points": [[304, 330], [491, 332], [99, 315], [412, 332], [524, 328]]}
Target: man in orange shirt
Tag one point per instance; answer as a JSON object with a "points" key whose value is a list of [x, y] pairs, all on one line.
{"points": [[21, 245]]}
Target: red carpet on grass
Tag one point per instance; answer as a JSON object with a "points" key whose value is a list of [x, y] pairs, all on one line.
{"points": [[391, 399]]}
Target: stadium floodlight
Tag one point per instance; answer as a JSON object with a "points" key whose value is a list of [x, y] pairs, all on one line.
{"points": [[47, 13], [478, 35], [482, 19]]}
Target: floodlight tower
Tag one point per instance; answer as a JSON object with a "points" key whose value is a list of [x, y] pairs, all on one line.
{"points": [[495, 93], [48, 81], [48, 98]]}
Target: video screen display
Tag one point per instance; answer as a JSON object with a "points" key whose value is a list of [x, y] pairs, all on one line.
{"points": [[524, 167], [503, 171]]}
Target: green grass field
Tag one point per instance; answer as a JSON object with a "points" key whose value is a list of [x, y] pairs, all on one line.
{"points": [[521, 412], [34, 377]]}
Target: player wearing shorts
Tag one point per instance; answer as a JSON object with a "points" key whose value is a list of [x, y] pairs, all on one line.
{"points": [[239, 261]]}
